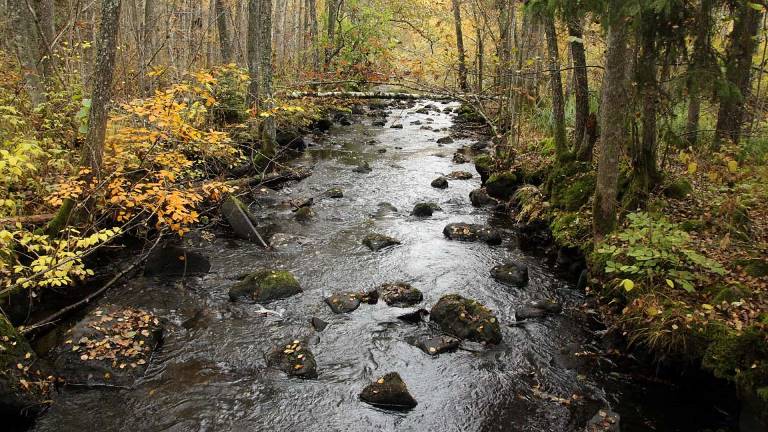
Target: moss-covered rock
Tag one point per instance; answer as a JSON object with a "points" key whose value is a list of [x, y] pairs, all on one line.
{"points": [[388, 392], [15, 396], [304, 214], [678, 189], [739, 357], [265, 286], [377, 242], [574, 192], [484, 166], [502, 185], [440, 183], [754, 267], [400, 294], [466, 319]]}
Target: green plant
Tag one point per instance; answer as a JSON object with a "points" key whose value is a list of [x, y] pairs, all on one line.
{"points": [[653, 253]]}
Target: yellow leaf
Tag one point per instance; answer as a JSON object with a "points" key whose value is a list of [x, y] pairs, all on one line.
{"points": [[692, 167], [706, 306], [628, 285], [670, 283], [733, 166]]}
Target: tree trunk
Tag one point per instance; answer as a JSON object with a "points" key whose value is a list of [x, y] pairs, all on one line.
{"points": [[45, 11], [480, 59], [253, 50], [556, 86], [460, 46], [92, 152], [330, 27], [220, 9], [312, 12], [738, 73], [701, 49], [27, 50], [613, 137], [581, 143], [265, 76], [645, 172]]}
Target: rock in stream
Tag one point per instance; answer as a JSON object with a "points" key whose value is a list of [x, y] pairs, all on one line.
{"points": [[466, 319], [265, 286], [388, 392], [293, 358]]}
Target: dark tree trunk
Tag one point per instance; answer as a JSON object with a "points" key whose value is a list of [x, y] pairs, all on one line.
{"points": [[330, 27], [581, 143], [265, 76], [614, 133], [738, 73], [645, 172], [463, 85], [45, 11], [556, 86], [27, 50], [253, 50], [220, 9], [312, 14], [701, 50]]}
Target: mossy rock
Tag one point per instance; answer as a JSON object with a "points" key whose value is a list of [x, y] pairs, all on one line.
{"points": [[729, 293], [571, 229], [466, 319], [678, 189], [691, 225], [484, 166], [265, 286], [294, 358], [573, 193], [738, 356], [389, 392], [502, 185]]}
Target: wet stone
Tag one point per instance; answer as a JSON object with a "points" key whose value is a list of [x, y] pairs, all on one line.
{"points": [[472, 232], [434, 345], [538, 309], [440, 183], [511, 273], [460, 175], [265, 286], [445, 140], [334, 193], [400, 294], [416, 122], [378, 123], [377, 242], [304, 214], [415, 317], [382, 151], [466, 319], [363, 168], [480, 198], [397, 126], [426, 127], [388, 392], [604, 421], [242, 221], [318, 324], [175, 261], [293, 358], [425, 209], [459, 158], [343, 302]]}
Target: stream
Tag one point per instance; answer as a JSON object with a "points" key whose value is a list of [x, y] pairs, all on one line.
{"points": [[210, 374]]}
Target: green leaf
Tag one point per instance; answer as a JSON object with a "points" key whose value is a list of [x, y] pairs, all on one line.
{"points": [[670, 283]]}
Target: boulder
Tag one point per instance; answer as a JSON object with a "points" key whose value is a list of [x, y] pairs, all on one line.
{"points": [[480, 198], [537, 309], [242, 221], [363, 168], [472, 232], [425, 209], [112, 346], [17, 396], [440, 183], [343, 302], [304, 214], [460, 175], [434, 345], [459, 158], [414, 317], [293, 358], [416, 122], [318, 324], [511, 273], [484, 166], [445, 140], [466, 319], [399, 294], [397, 126], [265, 286], [321, 125], [502, 185], [175, 261], [388, 392], [334, 193], [377, 242], [678, 189], [480, 146]]}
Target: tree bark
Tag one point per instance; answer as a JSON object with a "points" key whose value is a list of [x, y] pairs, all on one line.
{"points": [[581, 142], [613, 138], [45, 11], [312, 13], [253, 51], [463, 85], [333, 7], [220, 9], [701, 50], [556, 86], [738, 73], [27, 50], [265, 76], [645, 171]]}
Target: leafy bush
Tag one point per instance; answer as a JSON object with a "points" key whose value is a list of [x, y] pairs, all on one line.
{"points": [[652, 253]]}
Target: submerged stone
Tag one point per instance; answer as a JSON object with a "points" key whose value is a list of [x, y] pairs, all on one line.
{"points": [[377, 242], [293, 358], [175, 261], [538, 309], [388, 392], [472, 232], [480, 198], [363, 168], [440, 183], [400, 294], [304, 214], [425, 209], [511, 274], [318, 324], [460, 175], [265, 286], [415, 317], [334, 193], [466, 319], [434, 345]]}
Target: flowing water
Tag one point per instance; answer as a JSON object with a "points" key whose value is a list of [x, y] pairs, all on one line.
{"points": [[210, 372]]}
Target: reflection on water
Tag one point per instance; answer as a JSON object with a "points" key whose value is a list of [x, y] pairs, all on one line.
{"points": [[210, 374]]}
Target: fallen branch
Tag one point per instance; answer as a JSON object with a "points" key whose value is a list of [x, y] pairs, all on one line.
{"points": [[51, 318], [367, 95]]}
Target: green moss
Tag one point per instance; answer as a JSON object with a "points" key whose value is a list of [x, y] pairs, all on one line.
{"points": [[484, 166], [728, 293], [754, 267], [571, 229], [691, 225], [502, 185], [739, 357], [678, 189], [572, 194]]}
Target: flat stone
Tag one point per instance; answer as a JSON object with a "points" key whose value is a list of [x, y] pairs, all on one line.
{"points": [[343, 302], [318, 324], [415, 317], [377, 242], [265, 286], [537, 309], [400, 294], [460, 175], [334, 193], [472, 232], [294, 358], [511, 273], [434, 345], [388, 392]]}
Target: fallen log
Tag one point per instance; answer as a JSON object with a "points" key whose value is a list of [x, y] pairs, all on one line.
{"points": [[368, 95]]}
